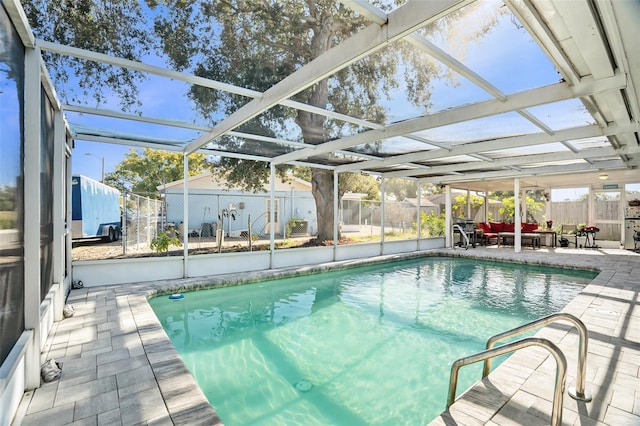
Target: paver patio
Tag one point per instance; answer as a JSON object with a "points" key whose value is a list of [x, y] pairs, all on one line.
{"points": [[119, 366]]}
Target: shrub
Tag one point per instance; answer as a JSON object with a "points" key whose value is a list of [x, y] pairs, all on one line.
{"points": [[161, 243], [431, 225]]}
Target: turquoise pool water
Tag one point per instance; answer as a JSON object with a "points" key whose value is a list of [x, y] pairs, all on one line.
{"points": [[370, 345]]}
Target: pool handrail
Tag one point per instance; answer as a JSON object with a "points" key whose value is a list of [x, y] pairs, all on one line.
{"points": [[561, 370], [463, 233], [578, 392]]}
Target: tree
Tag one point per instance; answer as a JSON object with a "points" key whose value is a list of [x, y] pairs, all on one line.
{"points": [[260, 43], [459, 206], [251, 44], [401, 188], [348, 182], [117, 28], [359, 183], [143, 170], [509, 207]]}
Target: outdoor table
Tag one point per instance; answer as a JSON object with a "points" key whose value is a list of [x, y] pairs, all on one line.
{"points": [[554, 236]]}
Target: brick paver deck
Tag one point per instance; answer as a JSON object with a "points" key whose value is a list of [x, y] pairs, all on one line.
{"points": [[119, 367]]}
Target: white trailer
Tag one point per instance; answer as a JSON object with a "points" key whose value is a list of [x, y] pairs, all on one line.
{"points": [[95, 211]]}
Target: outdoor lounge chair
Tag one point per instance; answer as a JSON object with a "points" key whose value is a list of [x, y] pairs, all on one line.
{"points": [[487, 234], [569, 233]]}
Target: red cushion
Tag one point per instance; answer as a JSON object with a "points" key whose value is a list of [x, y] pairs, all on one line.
{"points": [[496, 226], [485, 227], [529, 227], [509, 227]]}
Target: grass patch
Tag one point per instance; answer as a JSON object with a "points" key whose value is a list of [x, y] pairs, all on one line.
{"points": [[8, 219]]}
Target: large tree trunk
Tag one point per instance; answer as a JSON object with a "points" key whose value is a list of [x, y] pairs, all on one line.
{"points": [[322, 189], [321, 180], [312, 126]]}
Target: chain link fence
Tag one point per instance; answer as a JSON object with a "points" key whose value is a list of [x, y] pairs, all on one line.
{"points": [[240, 219], [142, 218], [400, 218]]}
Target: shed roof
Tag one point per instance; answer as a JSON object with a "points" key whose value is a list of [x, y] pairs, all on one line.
{"points": [[209, 181]]}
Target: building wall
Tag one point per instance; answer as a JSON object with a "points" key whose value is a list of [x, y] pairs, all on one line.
{"points": [[206, 206]]}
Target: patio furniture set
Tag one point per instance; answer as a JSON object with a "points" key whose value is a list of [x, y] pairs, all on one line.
{"points": [[531, 234]]}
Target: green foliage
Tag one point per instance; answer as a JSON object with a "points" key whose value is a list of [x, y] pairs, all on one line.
{"points": [[294, 224], [359, 183], [142, 171], [249, 44], [508, 208], [302, 172], [401, 188], [7, 219], [119, 28], [8, 213], [431, 225], [162, 242], [459, 207], [7, 198]]}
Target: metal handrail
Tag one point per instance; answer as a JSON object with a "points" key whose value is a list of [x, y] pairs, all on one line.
{"points": [[561, 370], [463, 233], [578, 392]]}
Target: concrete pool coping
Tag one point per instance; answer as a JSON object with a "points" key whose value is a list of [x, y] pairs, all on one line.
{"points": [[119, 366]]}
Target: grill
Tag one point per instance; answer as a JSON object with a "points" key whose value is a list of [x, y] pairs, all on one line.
{"points": [[466, 224], [468, 227]]}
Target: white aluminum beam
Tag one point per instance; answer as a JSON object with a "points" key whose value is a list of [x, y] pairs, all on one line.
{"points": [[367, 10], [125, 142], [376, 15], [185, 125], [533, 171], [524, 160], [20, 22], [536, 26], [133, 117], [173, 148], [495, 145], [522, 100], [191, 79], [614, 17], [587, 36], [400, 23], [32, 221]]}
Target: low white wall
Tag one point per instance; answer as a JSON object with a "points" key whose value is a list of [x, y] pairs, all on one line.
{"points": [[227, 263], [121, 271], [12, 378], [285, 258], [399, 246], [357, 251], [430, 243]]}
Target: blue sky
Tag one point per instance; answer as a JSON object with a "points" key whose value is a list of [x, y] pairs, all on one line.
{"points": [[167, 99]]}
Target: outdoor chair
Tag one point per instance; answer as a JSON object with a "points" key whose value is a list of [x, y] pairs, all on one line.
{"points": [[569, 233]]}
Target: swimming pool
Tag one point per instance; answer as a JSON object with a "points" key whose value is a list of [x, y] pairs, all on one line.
{"points": [[370, 345]]}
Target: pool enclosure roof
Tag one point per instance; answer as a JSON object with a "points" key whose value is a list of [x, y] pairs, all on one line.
{"points": [[548, 95]]}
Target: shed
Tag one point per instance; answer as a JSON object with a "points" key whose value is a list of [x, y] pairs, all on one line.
{"points": [[212, 201]]}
